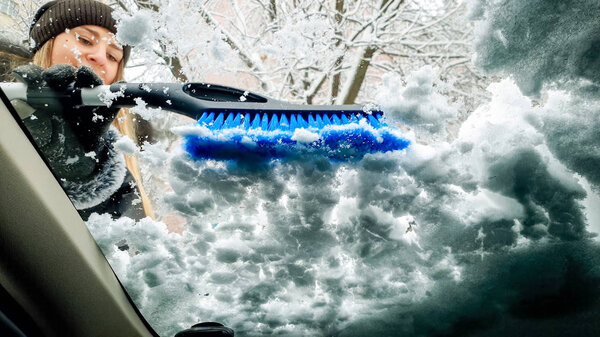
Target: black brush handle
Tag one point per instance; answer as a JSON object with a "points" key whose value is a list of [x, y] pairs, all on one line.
{"points": [[193, 99], [189, 99], [42, 97]]}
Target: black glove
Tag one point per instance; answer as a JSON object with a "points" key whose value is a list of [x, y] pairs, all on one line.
{"points": [[75, 140], [88, 124]]}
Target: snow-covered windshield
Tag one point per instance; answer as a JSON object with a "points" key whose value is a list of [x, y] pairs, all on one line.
{"points": [[484, 224]]}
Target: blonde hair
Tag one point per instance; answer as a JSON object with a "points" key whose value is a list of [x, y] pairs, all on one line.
{"points": [[124, 123]]}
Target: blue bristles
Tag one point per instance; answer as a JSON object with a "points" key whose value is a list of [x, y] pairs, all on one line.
{"points": [[336, 135], [290, 121]]}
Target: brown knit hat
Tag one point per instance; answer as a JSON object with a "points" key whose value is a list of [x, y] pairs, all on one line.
{"points": [[55, 17]]}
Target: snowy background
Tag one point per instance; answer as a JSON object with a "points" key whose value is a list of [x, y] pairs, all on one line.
{"points": [[501, 187]]}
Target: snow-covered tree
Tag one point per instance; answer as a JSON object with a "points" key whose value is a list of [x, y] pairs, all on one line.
{"points": [[307, 51]]}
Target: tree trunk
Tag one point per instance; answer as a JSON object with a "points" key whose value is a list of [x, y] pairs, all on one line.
{"points": [[359, 75], [336, 80], [365, 61], [272, 10]]}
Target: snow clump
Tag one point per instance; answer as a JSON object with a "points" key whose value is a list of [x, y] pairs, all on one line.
{"points": [[126, 145], [136, 29], [417, 104], [305, 136]]}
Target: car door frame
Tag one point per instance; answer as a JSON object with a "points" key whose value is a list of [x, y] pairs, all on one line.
{"points": [[49, 262]]}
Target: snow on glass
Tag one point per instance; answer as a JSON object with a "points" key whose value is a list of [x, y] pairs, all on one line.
{"points": [[491, 222]]}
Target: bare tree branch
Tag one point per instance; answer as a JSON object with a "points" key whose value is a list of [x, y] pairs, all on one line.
{"points": [[356, 80], [232, 44], [325, 51]]}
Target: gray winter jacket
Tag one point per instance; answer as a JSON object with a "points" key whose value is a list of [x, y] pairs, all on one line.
{"points": [[96, 180]]}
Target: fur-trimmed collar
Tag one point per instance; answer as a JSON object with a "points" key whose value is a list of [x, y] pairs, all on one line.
{"points": [[102, 185]]}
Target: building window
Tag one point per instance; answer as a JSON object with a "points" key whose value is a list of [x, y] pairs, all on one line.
{"points": [[9, 7]]}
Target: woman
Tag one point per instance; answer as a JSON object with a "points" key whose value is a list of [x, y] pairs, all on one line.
{"points": [[74, 44]]}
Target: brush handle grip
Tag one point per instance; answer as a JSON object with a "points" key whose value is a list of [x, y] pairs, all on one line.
{"points": [[43, 97], [189, 99]]}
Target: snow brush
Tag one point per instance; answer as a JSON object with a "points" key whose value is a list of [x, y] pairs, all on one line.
{"points": [[237, 124]]}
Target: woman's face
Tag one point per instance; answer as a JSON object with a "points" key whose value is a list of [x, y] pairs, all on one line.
{"points": [[89, 45]]}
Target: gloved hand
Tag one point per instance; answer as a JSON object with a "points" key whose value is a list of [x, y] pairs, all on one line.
{"points": [[88, 124]]}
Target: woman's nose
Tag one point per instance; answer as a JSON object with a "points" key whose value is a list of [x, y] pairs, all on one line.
{"points": [[98, 56]]}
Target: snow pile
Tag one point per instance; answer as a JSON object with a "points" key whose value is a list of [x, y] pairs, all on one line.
{"points": [[551, 44], [538, 41], [478, 236], [417, 104], [321, 248], [571, 126]]}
